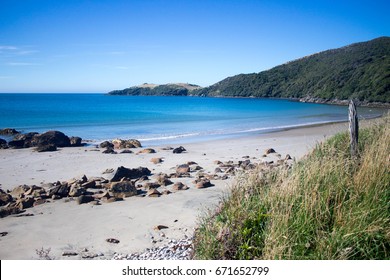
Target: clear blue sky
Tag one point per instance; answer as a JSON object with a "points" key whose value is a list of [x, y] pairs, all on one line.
{"points": [[97, 46]]}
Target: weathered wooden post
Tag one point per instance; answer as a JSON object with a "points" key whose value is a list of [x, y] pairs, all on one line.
{"points": [[353, 128]]}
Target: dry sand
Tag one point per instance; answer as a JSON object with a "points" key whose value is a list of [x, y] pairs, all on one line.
{"points": [[65, 226]]}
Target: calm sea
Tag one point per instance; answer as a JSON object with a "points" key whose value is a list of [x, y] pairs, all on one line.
{"points": [[161, 120]]}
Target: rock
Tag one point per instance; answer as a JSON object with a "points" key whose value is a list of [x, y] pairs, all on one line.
{"points": [[19, 191], [288, 157], [9, 131], [52, 137], [5, 198], [69, 254], [147, 151], [126, 144], [46, 148], [156, 160], [218, 170], [134, 173], [75, 141], [84, 199], [112, 240], [178, 186], [39, 202], [203, 183], [3, 144], [26, 140], [218, 162], [108, 171], [154, 193], [182, 169], [109, 151], [126, 152], [123, 189], [179, 150], [89, 184], [166, 192], [151, 185], [16, 144], [24, 203], [60, 190], [106, 144], [76, 190], [269, 151], [101, 195], [160, 227], [10, 210]]}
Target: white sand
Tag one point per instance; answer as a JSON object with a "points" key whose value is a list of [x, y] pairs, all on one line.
{"points": [[66, 226]]}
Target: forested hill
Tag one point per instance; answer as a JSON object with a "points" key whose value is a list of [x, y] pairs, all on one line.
{"points": [[178, 89], [360, 71]]}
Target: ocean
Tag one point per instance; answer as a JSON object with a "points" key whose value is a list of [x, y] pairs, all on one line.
{"points": [[158, 120]]}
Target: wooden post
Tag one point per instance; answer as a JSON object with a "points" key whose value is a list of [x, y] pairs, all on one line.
{"points": [[353, 128]]}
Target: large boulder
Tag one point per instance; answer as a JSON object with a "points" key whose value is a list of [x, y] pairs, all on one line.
{"points": [[75, 141], [126, 144], [106, 144], [123, 189], [53, 137], [133, 173]]}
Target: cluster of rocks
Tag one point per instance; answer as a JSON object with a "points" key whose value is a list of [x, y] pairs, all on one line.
{"points": [[83, 190], [44, 142], [110, 146], [175, 250]]}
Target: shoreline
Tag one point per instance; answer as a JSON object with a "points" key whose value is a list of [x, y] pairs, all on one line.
{"points": [[62, 225]]}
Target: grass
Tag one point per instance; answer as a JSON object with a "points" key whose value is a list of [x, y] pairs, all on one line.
{"points": [[328, 206]]}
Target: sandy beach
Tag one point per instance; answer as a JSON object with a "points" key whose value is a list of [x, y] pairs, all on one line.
{"points": [[65, 226]]}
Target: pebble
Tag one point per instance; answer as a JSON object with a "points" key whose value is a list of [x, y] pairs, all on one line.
{"points": [[175, 250]]}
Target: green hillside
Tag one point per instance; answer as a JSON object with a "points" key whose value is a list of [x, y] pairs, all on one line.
{"points": [[179, 89], [360, 71]]}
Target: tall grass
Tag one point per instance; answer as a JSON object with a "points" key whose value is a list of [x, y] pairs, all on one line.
{"points": [[328, 206]]}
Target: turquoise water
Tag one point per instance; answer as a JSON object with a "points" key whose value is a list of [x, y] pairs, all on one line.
{"points": [[161, 120]]}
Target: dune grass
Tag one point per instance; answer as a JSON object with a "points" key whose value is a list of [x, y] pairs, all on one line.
{"points": [[327, 206]]}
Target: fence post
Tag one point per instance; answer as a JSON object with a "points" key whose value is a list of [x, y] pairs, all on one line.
{"points": [[353, 128]]}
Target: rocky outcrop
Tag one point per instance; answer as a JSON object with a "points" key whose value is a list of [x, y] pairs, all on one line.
{"points": [[133, 173], [9, 131], [48, 141], [126, 144]]}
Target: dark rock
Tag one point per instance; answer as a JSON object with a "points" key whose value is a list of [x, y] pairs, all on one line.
{"points": [[179, 150], [203, 183], [16, 144], [112, 240], [109, 151], [75, 141], [3, 144], [23, 140], [182, 169], [126, 152], [106, 144], [151, 185], [46, 148], [11, 210], [39, 201], [288, 157], [123, 189], [24, 203], [89, 184], [269, 151], [53, 137], [84, 199], [5, 198], [134, 173], [9, 131]]}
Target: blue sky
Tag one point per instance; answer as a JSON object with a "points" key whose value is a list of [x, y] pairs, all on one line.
{"points": [[98, 46]]}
